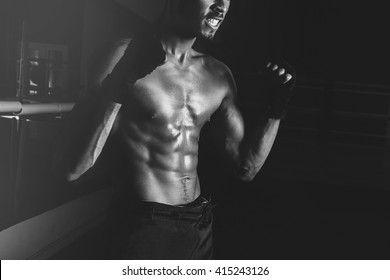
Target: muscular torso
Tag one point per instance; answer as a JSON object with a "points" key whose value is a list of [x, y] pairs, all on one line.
{"points": [[159, 126]]}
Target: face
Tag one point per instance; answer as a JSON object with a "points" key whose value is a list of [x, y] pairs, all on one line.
{"points": [[200, 18]]}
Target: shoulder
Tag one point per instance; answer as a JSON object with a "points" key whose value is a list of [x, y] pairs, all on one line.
{"points": [[219, 72], [213, 64], [107, 61]]}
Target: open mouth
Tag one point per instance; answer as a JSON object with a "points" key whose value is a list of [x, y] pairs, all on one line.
{"points": [[213, 22]]}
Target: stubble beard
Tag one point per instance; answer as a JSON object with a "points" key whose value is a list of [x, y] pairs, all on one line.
{"points": [[207, 36], [202, 32]]}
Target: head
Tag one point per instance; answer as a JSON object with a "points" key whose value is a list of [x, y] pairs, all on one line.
{"points": [[195, 18]]}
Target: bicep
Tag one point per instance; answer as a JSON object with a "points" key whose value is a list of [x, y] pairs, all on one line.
{"points": [[227, 122], [228, 128]]}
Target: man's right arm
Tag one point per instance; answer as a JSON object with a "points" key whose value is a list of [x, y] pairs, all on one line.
{"points": [[91, 121]]}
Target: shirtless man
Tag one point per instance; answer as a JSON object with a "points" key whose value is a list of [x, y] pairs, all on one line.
{"points": [[155, 95]]}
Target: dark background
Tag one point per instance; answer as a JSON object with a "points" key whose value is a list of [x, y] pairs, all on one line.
{"points": [[324, 190]]}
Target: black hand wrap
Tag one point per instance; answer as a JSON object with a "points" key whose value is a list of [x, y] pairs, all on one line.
{"points": [[278, 93], [143, 54]]}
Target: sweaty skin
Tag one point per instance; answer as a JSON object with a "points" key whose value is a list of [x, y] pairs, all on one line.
{"points": [[160, 117], [159, 125]]}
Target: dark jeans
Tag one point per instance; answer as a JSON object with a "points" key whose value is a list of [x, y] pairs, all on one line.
{"points": [[158, 231]]}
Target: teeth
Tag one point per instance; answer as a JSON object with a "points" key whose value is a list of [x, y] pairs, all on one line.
{"points": [[213, 22]]}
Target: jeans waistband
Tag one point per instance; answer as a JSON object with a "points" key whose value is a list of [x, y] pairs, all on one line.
{"points": [[197, 210]]}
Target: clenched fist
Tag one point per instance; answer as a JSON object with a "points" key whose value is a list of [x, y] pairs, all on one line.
{"points": [[279, 79]]}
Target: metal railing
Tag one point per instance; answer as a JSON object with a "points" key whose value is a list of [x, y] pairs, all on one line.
{"points": [[19, 108]]}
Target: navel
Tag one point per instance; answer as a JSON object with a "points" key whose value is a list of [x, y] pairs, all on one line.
{"points": [[185, 180]]}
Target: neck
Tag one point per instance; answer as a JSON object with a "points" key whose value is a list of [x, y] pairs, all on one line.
{"points": [[176, 46]]}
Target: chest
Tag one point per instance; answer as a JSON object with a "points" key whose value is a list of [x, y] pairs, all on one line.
{"points": [[184, 97]]}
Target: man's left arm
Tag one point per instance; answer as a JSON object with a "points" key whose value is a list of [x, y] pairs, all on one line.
{"points": [[249, 150]]}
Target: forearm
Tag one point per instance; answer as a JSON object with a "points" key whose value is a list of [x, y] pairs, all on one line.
{"points": [[255, 148], [279, 80], [83, 141]]}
